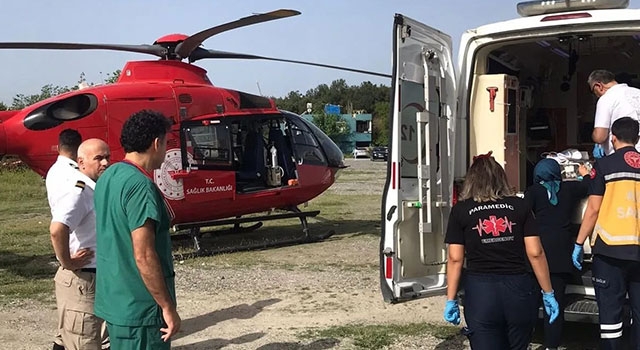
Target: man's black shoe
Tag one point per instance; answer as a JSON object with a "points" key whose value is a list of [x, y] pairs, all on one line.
{"points": [[57, 347]]}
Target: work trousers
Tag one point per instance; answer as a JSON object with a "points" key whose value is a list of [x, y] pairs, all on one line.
{"points": [[75, 294], [137, 338], [614, 279], [553, 331], [500, 310]]}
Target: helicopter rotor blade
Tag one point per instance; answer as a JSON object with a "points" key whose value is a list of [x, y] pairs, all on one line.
{"points": [[185, 48], [155, 50], [203, 53]]}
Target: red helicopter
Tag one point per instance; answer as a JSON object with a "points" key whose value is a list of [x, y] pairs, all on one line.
{"points": [[229, 153]]}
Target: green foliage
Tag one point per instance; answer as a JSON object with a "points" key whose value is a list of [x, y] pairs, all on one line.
{"points": [[113, 77], [379, 336], [25, 248], [364, 97], [381, 123], [21, 101], [332, 125]]}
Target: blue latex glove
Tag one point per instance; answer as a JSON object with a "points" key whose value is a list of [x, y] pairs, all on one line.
{"points": [[598, 151], [550, 305], [452, 312], [576, 256]]}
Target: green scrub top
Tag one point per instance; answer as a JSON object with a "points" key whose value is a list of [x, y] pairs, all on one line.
{"points": [[125, 198]]}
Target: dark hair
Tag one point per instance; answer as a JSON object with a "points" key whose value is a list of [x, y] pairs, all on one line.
{"points": [[69, 140], [626, 130], [142, 127], [600, 76], [486, 181]]}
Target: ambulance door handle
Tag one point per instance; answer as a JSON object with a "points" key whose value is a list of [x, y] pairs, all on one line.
{"points": [[390, 212]]}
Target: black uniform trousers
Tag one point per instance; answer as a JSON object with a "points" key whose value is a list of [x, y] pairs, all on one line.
{"points": [[500, 310], [612, 280]]}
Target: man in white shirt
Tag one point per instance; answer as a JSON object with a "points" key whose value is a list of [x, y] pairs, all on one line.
{"points": [[614, 102], [73, 236], [61, 172]]}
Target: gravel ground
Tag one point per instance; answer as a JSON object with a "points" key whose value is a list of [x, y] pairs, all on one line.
{"points": [[265, 299]]}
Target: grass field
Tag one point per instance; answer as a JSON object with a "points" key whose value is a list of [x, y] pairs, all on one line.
{"points": [[27, 262], [25, 248]]}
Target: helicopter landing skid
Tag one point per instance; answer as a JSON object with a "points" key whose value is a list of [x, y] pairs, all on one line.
{"points": [[195, 234]]}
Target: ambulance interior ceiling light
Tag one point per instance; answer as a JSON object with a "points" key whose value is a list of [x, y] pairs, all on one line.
{"points": [[536, 8]]}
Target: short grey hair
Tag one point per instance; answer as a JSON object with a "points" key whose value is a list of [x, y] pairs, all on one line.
{"points": [[600, 76]]}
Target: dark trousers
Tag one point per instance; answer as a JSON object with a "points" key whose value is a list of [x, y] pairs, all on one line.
{"points": [[612, 280], [553, 331], [500, 310]]}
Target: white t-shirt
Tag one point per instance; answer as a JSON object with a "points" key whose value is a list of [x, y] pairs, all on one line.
{"points": [[61, 172], [617, 102], [72, 205], [75, 210]]}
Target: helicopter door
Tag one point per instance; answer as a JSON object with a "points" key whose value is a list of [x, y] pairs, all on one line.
{"points": [[418, 190], [206, 156]]}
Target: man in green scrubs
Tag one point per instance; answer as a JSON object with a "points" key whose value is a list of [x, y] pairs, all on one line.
{"points": [[135, 289]]}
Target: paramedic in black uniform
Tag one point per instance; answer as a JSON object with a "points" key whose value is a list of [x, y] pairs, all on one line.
{"points": [[495, 231], [611, 220], [554, 203]]}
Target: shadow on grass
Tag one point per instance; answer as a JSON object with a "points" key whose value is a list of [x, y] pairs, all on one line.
{"points": [[241, 311], [279, 234], [28, 266]]}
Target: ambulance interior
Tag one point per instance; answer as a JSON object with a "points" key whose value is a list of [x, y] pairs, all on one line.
{"points": [[534, 94]]}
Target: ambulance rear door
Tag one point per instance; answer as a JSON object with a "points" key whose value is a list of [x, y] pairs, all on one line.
{"points": [[417, 197]]}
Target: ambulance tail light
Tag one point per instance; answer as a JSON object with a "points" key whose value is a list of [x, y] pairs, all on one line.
{"points": [[536, 8], [388, 267]]}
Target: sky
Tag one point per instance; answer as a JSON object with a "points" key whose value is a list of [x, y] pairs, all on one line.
{"points": [[353, 33]]}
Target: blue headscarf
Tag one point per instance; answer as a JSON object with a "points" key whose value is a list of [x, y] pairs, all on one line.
{"points": [[547, 173]]}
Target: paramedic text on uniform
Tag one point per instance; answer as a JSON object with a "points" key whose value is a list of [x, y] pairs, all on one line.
{"points": [[73, 230], [62, 170], [554, 202], [614, 102], [612, 217], [136, 295], [497, 231]]}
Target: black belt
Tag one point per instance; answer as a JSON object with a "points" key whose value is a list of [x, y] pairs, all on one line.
{"points": [[88, 269]]}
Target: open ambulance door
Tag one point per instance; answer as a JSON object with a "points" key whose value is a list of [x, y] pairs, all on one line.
{"points": [[418, 192]]}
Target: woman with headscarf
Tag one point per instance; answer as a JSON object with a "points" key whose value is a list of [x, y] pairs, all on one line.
{"points": [[554, 203], [495, 231]]}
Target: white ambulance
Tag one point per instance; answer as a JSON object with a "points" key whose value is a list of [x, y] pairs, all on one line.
{"points": [[520, 90]]}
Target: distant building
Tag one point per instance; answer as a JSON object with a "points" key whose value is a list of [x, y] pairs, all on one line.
{"points": [[360, 126]]}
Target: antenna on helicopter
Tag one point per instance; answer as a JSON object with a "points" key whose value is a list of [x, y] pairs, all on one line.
{"points": [[259, 90]]}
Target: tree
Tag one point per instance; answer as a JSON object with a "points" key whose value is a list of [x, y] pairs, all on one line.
{"points": [[113, 77], [381, 123], [3, 107], [332, 125], [364, 97], [21, 101]]}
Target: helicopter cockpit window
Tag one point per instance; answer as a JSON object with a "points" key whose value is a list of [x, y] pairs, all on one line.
{"points": [[308, 151], [55, 113], [208, 144]]}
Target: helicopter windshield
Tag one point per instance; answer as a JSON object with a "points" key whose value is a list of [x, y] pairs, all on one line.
{"points": [[332, 151]]}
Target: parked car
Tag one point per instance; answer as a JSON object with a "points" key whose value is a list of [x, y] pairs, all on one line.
{"points": [[360, 152], [379, 153]]}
